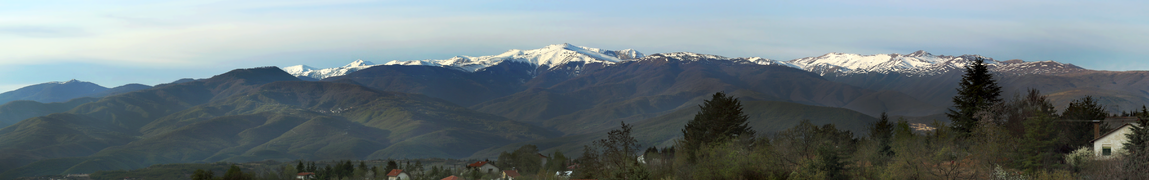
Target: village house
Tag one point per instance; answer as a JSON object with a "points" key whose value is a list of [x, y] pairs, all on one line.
{"points": [[398, 174], [1108, 144], [484, 167], [541, 156], [305, 176], [509, 175]]}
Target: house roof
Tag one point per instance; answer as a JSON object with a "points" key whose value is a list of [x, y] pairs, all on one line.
{"points": [[477, 164], [306, 173], [542, 156], [1111, 132], [511, 173], [452, 177], [394, 172]]}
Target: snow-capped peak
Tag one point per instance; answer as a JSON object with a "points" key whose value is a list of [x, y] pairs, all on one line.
{"points": [[316, 73], [66, 82], [919, 53], [358, 63], [297, 69], [550, 56]]}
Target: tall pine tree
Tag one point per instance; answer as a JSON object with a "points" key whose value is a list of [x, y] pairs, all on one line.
{"points": [[976, 91], [1137, 163], [720, 118], [1077, 130], [882, 132]]}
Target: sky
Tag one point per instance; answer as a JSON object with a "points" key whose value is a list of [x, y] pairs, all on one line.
{"points": [[117, 42]]}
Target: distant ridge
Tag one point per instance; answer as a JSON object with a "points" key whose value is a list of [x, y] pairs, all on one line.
{"points": [[57, 91], [918, 63]]}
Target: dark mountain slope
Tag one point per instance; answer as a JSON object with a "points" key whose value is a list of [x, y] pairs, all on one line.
{"points": [[282, 120], [16, 111], [646, 88], [765, 117], [463, 88], [121, 89], [1123, 90]]}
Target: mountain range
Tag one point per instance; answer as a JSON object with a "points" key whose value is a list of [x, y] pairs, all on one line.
{"points": [[558, 97], [922, 76]]}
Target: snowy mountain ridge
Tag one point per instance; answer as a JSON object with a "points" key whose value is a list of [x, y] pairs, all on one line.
{"points": [[549, 56], [317, 74], [919, 63], [689, 56]]}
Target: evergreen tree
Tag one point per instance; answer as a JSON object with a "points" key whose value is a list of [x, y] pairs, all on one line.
{"points": [[1137, 162], [883, 132], [299, 167], [720, 118], [390, 166], [976, 91], [312, 167], [1036, 147], [348, 168], [1077, 131]]}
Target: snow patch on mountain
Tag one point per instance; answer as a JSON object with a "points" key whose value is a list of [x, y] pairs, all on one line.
{"points": [[550, 56], [66, 82], [308, 71], [689, 56], [919, 63]]}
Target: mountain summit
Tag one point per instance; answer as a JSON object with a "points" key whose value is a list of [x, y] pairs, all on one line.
{"points": [[550, 56]]}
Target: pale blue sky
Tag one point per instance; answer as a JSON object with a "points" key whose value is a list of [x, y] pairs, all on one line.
{"points": [[113, 43]]}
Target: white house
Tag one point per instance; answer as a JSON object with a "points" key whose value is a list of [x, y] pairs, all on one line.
{"points": [[305, 176], [1110, 143], [398, 174], [484, 167]]}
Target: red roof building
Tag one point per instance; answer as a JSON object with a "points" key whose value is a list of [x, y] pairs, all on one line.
{"points": [[397, 174], [510, 174], [484, 167], [452, 177], [477, 164], [305, 175]]}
